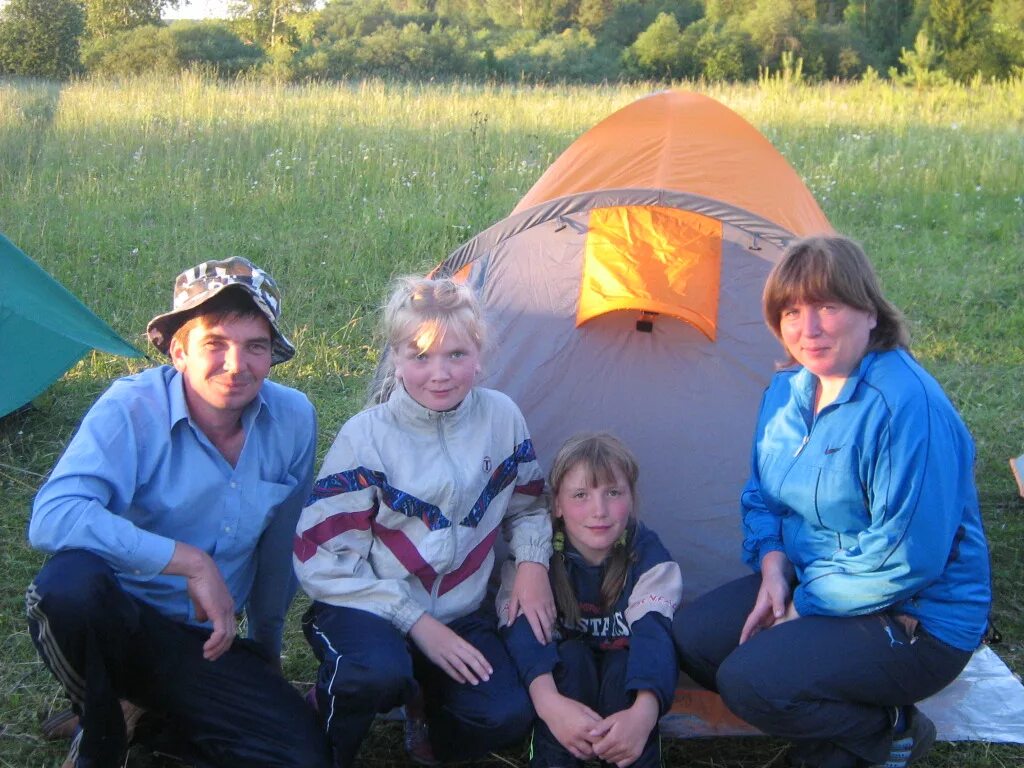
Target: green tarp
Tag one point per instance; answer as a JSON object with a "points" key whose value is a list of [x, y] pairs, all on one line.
{"points": [[44, 329]]}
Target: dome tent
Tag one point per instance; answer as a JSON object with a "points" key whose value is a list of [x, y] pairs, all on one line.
{"points": [[623, 293]]}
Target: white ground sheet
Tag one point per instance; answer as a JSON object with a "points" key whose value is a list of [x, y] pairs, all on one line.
{"points": [[985, 703]]}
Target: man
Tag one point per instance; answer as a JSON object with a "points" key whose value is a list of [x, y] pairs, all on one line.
{"points": [[171, 511]]}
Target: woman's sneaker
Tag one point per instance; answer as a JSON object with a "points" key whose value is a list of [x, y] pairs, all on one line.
{"points": [[913, 743]]}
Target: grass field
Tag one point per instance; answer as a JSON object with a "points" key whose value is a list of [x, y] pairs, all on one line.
{"points": [[113, 188]]}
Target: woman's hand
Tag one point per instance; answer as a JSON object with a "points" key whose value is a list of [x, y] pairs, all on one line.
{"points": [[570, 721], [531, 596], [460, 660], [773, 602], [621, 737], [790, 614]]}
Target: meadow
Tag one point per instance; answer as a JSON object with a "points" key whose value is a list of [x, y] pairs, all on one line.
{"points": [[115, 187]]}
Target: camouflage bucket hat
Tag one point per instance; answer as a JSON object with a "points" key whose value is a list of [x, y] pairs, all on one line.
{"points": [[199, 284]]}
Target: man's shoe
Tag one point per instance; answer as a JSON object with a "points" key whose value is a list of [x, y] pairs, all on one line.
{"points": [[914, 743], [59, 726], [65, 724], [132, 715], [76, 741]]}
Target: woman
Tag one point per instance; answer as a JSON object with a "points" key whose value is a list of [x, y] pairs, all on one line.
{"points": [[861, 522]]}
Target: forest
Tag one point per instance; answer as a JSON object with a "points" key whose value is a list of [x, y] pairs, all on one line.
{"points": [[914, 42]]}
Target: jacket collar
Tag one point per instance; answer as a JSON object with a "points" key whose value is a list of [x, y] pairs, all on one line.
{"points": [[635, 528], [412, 413], [804, 383]]}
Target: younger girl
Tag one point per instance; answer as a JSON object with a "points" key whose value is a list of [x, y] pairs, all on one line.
{"points": [[601, 686], [396, 543]]}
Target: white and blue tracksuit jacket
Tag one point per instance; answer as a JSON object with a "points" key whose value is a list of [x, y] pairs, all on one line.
{"points": [[409, 502]]}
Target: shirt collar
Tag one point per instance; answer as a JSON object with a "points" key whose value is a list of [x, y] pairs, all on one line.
{"points": [[176, 393], [179, 407]]}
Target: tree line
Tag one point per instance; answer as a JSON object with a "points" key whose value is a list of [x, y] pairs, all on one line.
{"points": [[914, 41]]}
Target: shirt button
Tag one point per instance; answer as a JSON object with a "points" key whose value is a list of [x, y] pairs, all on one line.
{"points": [[234, 484], [227, 529]]}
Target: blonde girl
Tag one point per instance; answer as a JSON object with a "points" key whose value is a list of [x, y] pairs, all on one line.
{"points": [[396, 543], [600, 687]]}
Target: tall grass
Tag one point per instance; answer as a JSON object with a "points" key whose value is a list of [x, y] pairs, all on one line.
{"points": [[115, 187]]}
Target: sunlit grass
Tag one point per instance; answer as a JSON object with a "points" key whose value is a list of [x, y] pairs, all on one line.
{"points": [[114, 187]]}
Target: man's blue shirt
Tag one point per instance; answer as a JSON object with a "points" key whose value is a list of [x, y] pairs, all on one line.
{"points": [[139, 475]]}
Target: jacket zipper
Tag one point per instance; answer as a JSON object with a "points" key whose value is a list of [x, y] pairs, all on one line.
{"points": [[456, 507]]}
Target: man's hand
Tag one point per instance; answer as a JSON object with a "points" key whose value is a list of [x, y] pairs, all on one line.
{"points": [[209, 595], [570, 721], [620, 738], [460, 660], [773, 598], [531, 596]]}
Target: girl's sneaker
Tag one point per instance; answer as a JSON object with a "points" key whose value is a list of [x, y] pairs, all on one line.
{"points": [[311, 701], [417, 734], [417, 742]]}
